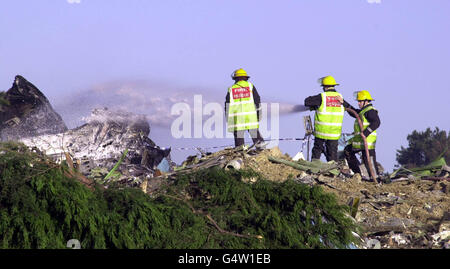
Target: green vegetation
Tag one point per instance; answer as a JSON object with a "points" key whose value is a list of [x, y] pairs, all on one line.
{"points": [[424, 147], [40, 207]]}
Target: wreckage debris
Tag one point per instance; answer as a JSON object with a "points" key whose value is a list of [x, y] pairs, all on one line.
{"points": [[392, 215], [107, 148], [96, 147], [436, 170], [315, 167], [28, 113]]}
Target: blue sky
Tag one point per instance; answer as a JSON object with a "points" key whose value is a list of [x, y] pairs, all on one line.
{"points": [[397, 50]]}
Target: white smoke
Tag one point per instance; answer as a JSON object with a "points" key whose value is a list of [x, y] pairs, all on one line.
{"points": [[102, 115], [290, 108], [153, 100]]}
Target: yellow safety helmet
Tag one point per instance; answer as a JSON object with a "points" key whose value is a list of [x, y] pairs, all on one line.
{"points": [[328, 81], [363, 95], [239, 73]]}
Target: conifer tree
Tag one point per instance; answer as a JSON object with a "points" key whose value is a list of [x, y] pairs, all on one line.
{"points": [[424, 147]]}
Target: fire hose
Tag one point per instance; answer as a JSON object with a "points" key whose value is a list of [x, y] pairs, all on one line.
{"points": [[371, 171]]}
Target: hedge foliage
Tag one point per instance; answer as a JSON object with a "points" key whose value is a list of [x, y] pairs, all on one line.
{"points": [[213, 208]]}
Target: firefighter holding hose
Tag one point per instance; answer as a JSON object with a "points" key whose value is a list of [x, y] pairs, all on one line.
{"points": [[370, 121], [327, 120]]}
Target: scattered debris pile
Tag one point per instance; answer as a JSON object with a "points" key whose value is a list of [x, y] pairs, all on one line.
{"points": [[113, 146], [412, 213], [437, 169]]}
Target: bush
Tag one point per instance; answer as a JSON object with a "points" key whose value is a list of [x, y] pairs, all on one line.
{"points": [[40, 207]]}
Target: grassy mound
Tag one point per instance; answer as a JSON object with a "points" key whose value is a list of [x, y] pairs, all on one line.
{"points": [[40, 207]]}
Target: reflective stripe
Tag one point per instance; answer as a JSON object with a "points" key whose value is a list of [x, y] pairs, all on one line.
{"points": [[331, 113], [362, 144], [241, 113], [243, 124], [329, 123], [242, 103], [371, 139], [329, 117], [329, 135]]}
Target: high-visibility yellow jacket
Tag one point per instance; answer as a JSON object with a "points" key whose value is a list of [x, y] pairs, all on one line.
{"points": [[357, 141], [242, 113], [329, 117]]}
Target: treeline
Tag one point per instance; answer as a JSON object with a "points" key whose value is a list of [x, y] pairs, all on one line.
{"points": [[424, 147]]}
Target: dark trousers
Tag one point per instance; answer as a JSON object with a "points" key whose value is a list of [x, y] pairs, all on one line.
{"points": [[353, 163], [239, 137], [330, 149]]}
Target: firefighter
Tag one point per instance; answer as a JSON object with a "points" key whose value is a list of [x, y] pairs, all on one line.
{"points": [[242, 107], [371, 122], [329, 115]]}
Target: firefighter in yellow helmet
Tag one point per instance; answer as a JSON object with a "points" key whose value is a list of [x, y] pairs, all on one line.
{"points": [[327, 120], [371, 122], [242, 106]]}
